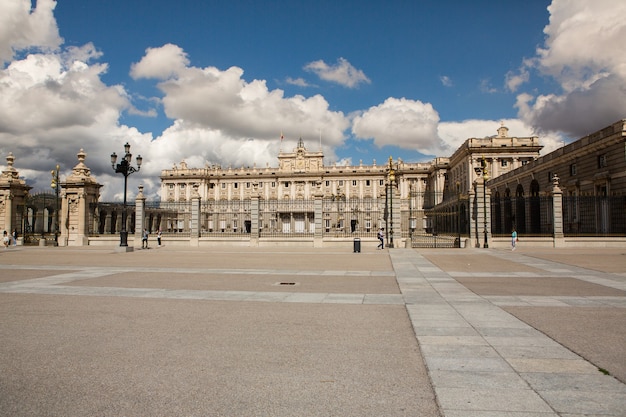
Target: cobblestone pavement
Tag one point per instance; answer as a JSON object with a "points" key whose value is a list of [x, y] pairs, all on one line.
{"points": [[301, 331]]}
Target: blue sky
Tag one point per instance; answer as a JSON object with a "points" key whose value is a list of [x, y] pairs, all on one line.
{"points": [[217, 82]]}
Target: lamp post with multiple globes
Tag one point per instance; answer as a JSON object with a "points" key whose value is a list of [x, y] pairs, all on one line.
{"points": [[125, 168]]}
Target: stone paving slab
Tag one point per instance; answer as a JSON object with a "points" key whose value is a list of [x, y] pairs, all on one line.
{"points": [[111, 356], [498, 344], [248, 282], [85, 323], [542, 286]]}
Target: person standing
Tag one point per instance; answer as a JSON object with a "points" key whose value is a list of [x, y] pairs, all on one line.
{"points": [[159, 237], [5, 239], [144, 239], [381, 237], [513, 239]]}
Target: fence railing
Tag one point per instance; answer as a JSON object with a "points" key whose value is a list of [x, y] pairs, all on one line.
{"points": [[530, 216], [345, 218], [594, 216]]}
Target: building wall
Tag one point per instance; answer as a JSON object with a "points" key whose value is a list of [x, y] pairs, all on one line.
{"points": [[301, 173], [592, 165]]}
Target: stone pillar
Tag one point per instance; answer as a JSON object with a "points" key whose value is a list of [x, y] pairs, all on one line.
{"points": [[254, 219], [318, 240], [395, 212], [195, 217], [473, 227], [482, 217], [140, 215], [13, 194], [557, 212], [80, 194]]}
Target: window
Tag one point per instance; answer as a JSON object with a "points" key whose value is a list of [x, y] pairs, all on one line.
{"points": [[260, 184], [273, 184], [354, 183], [223, 185], [367, 183], [602, 161], [236, 185], [381, 182], [171, 186], [247, 185], [504, 163], [286, 184], [328, 183], [572, 169], [211, 186], [524, 162], [341, 183], [182, 186]]}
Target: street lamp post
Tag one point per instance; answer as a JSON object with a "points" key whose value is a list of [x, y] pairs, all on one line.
{"points": [[483, 170], [125, 168], [55, 186], [458, 211], [392, 178]]}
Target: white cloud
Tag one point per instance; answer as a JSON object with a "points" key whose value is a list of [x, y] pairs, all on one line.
{"points": [[300, 82], [584, 53], [514, 80], [409, 124], [24, 28], [446, 81], [224, 101], [342, 73], [160, 63], [486, 87]]}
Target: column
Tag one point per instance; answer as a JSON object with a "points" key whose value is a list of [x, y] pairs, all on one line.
{"points": [[254, 219], [557, 213], [195, 217], [318, 240], [140, 213]]}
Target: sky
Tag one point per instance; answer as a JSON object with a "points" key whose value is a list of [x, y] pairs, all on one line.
{"points": [[212, 82]]}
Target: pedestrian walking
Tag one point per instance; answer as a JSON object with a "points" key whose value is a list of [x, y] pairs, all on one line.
{"points": [[5, 239], [144, 239], [381, 237], [159, 237], [14, 235], [514, 239]]}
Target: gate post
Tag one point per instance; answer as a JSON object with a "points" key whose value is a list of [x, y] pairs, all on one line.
{"points": [[557, 213], [140, 214], [254, 216], [13, 193], [474, 216], [80, 195], [318, 240], [195, 217]]}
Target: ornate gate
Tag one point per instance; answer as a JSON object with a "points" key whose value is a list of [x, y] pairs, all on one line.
{"points": [[39, 218]]}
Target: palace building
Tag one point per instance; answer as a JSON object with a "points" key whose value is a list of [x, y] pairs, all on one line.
{"points": [[302, 173]]}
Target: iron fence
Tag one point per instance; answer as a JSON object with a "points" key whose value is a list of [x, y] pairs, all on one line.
{"points": [[436, 220], [37, 218], [105, 218], [352, 217], [530, 216], [286, 218], [172, 218], [225, 218], [594, 216]]}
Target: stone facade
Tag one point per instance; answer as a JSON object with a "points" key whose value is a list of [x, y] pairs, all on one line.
{"points": [[592, 165], [79, 198], [13, 194]]}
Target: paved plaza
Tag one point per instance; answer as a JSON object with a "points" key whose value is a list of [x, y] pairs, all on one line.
{"points": [[228, 331]]}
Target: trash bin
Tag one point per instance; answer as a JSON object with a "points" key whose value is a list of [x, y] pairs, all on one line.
{"points": [[357, 245]]}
